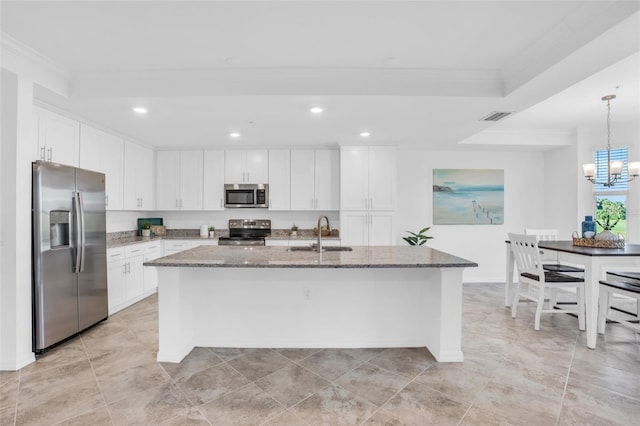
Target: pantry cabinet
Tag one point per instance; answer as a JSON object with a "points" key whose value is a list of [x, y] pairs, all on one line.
{"points": [[179, 180], [213, 185], [368, 178], [56, 137], [315, 179], [366, 228], [246, 166], [104, 153], [279, 179], [139, 188]]}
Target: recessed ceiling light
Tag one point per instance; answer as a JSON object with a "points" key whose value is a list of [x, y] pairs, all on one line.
{"points": [[140, 110], [365, 134], [316, 110], [234, 134]]}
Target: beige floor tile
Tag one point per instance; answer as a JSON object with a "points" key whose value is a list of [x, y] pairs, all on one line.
{"points": [[67, 353], [227, 354], [372, 383], [624, 382], [6, 376], [211, 383], [198, 359], [334, 405], [460, 383], [477, 416], [291, 384], [120, 360], [528, 355], [331, 363], [286, 418], [407, 362], [297, 354], [7, 416], [530, 379], [256, 364], [124, 384], [98, 417], [248, 405], [8, 393], [150, 406], [192, 417], [419, 404]]}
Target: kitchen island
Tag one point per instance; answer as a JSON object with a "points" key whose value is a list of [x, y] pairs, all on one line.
{"points": [[270, 297]]}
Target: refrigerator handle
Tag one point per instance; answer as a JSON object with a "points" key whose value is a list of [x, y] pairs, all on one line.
{"points": [[77, 225], [82, 233]]}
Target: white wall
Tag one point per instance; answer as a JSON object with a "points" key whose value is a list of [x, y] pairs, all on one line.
{"points": [[483, 244], [562, 175]]}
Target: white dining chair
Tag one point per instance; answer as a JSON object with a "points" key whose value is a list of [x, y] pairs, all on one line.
{"points": [[624, 284], [529, 263]]}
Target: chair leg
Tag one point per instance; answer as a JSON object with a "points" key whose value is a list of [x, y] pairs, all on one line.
{"points": [[516, 298], [581, 308], [539, 308], [603, 307], [553, 299]]}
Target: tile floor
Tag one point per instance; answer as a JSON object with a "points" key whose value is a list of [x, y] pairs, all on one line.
{"points": [[511, 375]]}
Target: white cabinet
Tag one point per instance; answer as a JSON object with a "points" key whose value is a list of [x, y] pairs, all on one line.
{"points": [[139, 189], [176, 246], [366, 228], [179, 180], [279, 179], [246, 166], [150, 252], [104, 153], [315, 179], [368, 178], [213, 182], [57, 137]]}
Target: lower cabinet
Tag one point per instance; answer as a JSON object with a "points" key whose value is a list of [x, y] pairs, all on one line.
{"points": [[367, 228]]}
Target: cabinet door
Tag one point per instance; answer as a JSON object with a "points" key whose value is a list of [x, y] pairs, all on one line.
{"points": [[303, 179], [115, 280], [113, 165], [132, 154], [61, 138], [257, 166], [382, 178], [354, 178], [355, 228], [327, 179], [213, 180], [134, 281], [91, 151], [37, 128], [168, 180], [190, 180], [279, 179], [146, 187], [381, 229], [235, 166]]}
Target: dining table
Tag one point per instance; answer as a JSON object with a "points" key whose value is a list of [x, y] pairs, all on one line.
{"points": [[595, 261]]}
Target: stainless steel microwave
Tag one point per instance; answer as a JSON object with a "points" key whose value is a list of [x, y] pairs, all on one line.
{"points": [[246, 195]]}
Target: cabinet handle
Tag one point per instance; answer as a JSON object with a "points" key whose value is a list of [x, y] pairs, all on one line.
{"points": [[220, 202], [50, 151], [42, 153], [124, 268]]}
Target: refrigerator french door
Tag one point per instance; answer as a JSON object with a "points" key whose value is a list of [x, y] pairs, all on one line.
{"points": [[69, 252]]}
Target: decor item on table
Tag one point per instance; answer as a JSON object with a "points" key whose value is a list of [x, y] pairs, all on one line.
{"points": [[294, 230], [152, 220], [607, 216], [419, 238], [468, 197], [325, 231], [588, 227], [146, 229], [615, 169], [619, 242], [212, 231]]}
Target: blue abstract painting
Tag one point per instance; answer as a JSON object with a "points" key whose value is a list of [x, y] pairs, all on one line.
{"points": [[468, 197]]}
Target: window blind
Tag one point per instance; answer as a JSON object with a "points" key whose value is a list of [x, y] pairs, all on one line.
{"points": [[600, 160]]}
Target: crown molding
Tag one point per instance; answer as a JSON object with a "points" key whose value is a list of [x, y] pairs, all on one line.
{"points": [[24, 60]]}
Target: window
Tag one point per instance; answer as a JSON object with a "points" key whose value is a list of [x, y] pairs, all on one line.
{"points": [[611, 202]]}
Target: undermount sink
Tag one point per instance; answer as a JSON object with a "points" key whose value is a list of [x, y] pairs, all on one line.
{"points": [[326, 248]]}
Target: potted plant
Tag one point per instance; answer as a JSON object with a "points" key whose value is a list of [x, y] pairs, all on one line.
{"points": [[212, 231], [294, 230], [419, 238], [146, 229], [608, 217]]}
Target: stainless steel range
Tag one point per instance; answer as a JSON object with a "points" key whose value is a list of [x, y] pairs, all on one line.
{"points": [[246, 232]]}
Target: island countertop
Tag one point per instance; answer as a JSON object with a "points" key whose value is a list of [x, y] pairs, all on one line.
{"points": [[281, 257]]}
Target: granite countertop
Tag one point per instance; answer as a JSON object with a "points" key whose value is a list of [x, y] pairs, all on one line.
{"points": [[280, 257]]}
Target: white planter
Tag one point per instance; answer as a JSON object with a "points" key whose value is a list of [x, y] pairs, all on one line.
{"points": [[146, 232]]}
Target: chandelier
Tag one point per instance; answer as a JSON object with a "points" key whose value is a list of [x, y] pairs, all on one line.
{"points": [[614, 168]]}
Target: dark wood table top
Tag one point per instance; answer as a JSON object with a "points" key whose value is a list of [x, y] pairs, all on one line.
{"points": [[567, 246]]}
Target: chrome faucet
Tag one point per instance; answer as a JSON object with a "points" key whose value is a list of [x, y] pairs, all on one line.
{"points": [[319, 248]]}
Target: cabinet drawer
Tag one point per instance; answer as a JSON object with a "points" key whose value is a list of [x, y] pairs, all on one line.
{"points": [[115, 254], [133, 250], [151, 248], [176, 245]]}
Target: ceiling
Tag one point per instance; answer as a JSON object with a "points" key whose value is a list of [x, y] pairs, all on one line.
{"points": [[414, 73]]}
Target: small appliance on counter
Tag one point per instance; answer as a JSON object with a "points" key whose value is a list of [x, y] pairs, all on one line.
{"points": [[204, 231], [246, 232]]}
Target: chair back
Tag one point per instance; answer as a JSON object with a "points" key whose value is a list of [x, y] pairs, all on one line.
{"points": [[526, 254], [542, 234]]}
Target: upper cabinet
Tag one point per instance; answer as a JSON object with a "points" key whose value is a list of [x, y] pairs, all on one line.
{"points": [[279, 179], [104, 153], [57, 137], [246, 166], [179, 180], [213, 185], [368, 178], [315, 179], [139, 189]]}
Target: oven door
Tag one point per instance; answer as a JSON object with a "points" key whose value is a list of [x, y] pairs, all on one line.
{"points": [[239, 197]]}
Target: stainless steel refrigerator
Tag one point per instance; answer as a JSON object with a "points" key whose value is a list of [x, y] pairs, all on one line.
{"points": [[69, 252]]}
